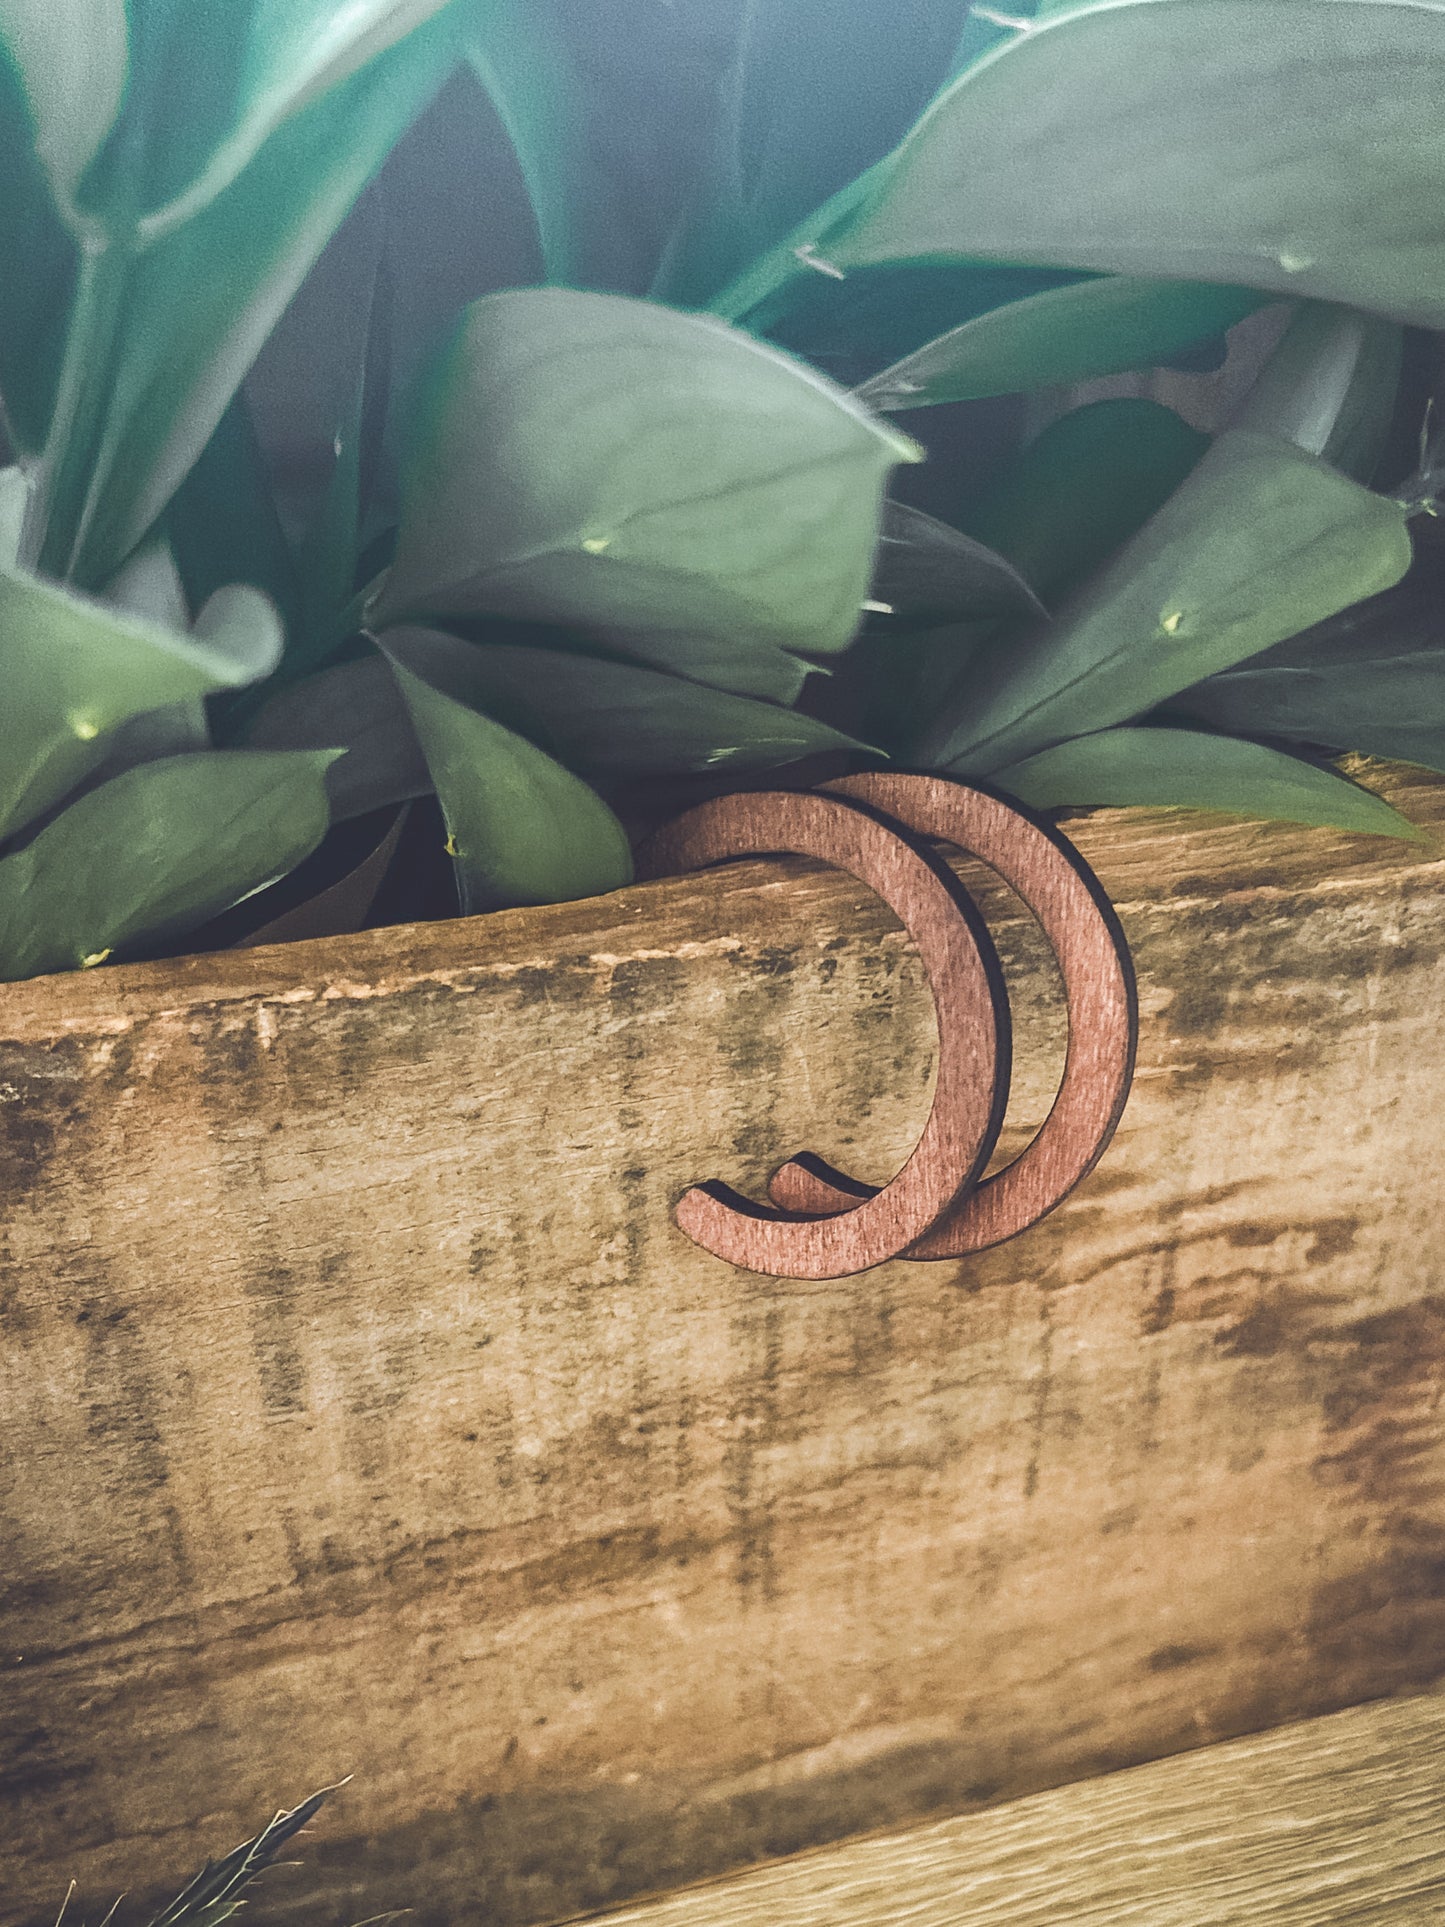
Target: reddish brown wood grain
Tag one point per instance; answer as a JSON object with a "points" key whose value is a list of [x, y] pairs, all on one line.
{"points": [[1048, 874], [963, 972]]}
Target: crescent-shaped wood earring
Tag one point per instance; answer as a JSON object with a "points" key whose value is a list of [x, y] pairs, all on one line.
{"points": [[1058, 886], [857, 1231]]}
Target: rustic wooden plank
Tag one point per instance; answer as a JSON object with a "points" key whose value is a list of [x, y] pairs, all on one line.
{"points": [[363, 1410], [1337, 1819]]}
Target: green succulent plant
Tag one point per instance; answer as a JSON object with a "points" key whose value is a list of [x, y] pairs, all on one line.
{"points": [[606, 531]]}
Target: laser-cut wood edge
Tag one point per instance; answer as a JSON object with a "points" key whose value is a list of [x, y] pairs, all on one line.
{"points": [[966, 980]]}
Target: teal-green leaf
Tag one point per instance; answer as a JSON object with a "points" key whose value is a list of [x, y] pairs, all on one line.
{"points": [[1291, 145], [355, 707], [928, 573], [527, 69], [1185, 769], [663, 483], [809, 100], [523, 829], [611, 719], [987, 28], [38, 261], [74, 671], [1402, 742], [1371, 678], [1076, 493], [868, 321], [210, 84], [1261, 541], [150, 586], [69, 59], [14, 499], [1064, 335], [223, 522], [182, 321], [155, 852], [1329, 387], [1346, 705]]}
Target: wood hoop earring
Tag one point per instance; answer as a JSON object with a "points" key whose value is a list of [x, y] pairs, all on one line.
{"points": [[1077, 917], [973, 1024]]}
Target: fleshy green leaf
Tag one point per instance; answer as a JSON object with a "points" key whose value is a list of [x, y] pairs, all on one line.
{"points": [[150, 586], [1292, 145], [328, 558], [210, 84], [1080, 489], [1068, 334], [869, 320], [1329, 387], [809, 101], [522, 60], [14, 497], [608, 718], [1371, 678], [37, 255], [356, 707], [1184, 769], [672, 488], [1259, 542], [69, 58], [928, 573], [74, 671], [1401, 622], [198, 302], [223, 524], [522, 829], [1350, 706], [154, 852]]}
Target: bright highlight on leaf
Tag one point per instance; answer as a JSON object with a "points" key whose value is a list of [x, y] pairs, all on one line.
{"points": [[738, 491], [74, 670], [1261, 541], [205, 92], [154, 852], [1131, 172]]}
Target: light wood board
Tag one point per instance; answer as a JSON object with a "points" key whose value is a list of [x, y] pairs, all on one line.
{"points": [[1334, 1820], [362, 1411]]}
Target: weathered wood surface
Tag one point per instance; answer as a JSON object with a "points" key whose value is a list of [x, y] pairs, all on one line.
{"points": [[1334, 1820], [364, 1412]]}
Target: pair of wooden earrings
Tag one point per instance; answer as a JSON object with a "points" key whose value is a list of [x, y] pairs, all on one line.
{"points": [[880, 827]]}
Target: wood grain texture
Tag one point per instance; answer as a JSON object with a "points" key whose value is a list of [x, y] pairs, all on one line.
{"points": [[362, 1410], [973, 1052], [1100, 1000], [1334, 1820]]}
